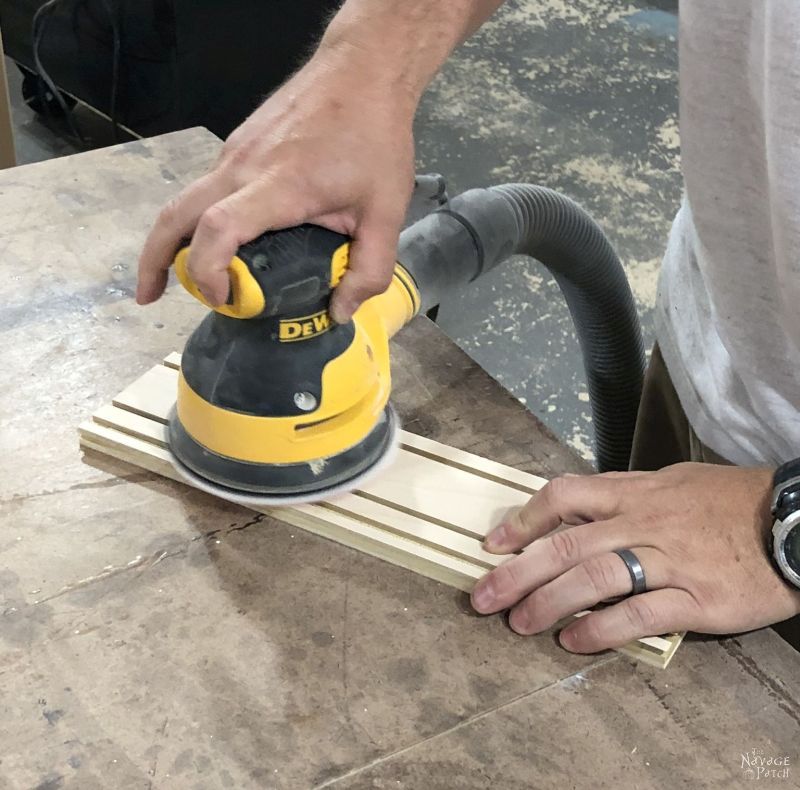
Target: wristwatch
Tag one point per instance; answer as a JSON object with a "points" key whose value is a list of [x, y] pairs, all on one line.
{"points": [[786, 512]]}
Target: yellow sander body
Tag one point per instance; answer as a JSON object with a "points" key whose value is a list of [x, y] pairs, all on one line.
{"points": [[276, 403]]}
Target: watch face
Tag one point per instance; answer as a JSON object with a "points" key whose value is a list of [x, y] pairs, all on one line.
{"points": [[791, 549]]}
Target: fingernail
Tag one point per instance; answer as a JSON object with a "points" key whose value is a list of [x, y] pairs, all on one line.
{"points": [[483, 596], [498, 537], [567, 639], [520, 622], [341, 313], [142, 295]]}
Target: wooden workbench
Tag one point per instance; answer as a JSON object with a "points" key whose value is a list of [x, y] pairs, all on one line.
{"points": [[151, 636]]}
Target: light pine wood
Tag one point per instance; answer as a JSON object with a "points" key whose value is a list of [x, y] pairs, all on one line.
{"points": [[427, 512], [318, 519]]}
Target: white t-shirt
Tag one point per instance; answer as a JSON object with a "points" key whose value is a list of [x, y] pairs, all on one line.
{"points": [[728, 313]]}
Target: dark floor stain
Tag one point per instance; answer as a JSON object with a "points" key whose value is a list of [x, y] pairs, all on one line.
{"points": [[22, 624], [322, 638], [182, 762], [435, 717], [484, 690], [327, 772], [8, 580], [664, 702], [296, 654], [410, 673], [786, 702], [53, 716], [478, 746], [51, 782]]}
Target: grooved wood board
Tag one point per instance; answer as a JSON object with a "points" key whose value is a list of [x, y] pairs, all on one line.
{"points": [[428, 511]]}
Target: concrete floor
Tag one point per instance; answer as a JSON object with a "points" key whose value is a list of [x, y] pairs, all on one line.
{"points": [[580, 97]]}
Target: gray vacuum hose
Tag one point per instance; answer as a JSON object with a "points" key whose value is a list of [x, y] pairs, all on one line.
{"points": [[481, 228]]}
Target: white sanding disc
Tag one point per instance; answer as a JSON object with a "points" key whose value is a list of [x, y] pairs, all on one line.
{"points": [[250, 499]]}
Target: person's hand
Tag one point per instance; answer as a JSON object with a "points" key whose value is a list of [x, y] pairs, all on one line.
{"points": [[700, 532], [332, 147]]}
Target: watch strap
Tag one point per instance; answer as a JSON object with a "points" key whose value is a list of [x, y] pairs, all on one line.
{"points": [[786, 489], [786, 472]]}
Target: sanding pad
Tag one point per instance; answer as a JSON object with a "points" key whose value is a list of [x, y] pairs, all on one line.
{"points": [[254, 499]]}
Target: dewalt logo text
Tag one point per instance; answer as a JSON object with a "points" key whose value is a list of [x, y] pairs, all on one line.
{"points": [[304, 328]]}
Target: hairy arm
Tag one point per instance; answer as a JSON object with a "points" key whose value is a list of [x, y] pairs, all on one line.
{"points": [[333, 146], [409, 40]]}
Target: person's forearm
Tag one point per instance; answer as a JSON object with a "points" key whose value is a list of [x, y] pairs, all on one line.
{"points": [[333, 146], [403, 42]]}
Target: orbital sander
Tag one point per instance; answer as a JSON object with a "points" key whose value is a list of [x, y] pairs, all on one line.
{"points": [[277, 404]]}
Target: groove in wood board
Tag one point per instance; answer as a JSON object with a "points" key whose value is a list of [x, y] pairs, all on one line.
{"points": [[351, 532], [474, 464], [467, 462], [464, 502], [145, 428], [481, 503], [425, 538], [173, 360], [151, 395], [380, 514], [420, 530]]}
